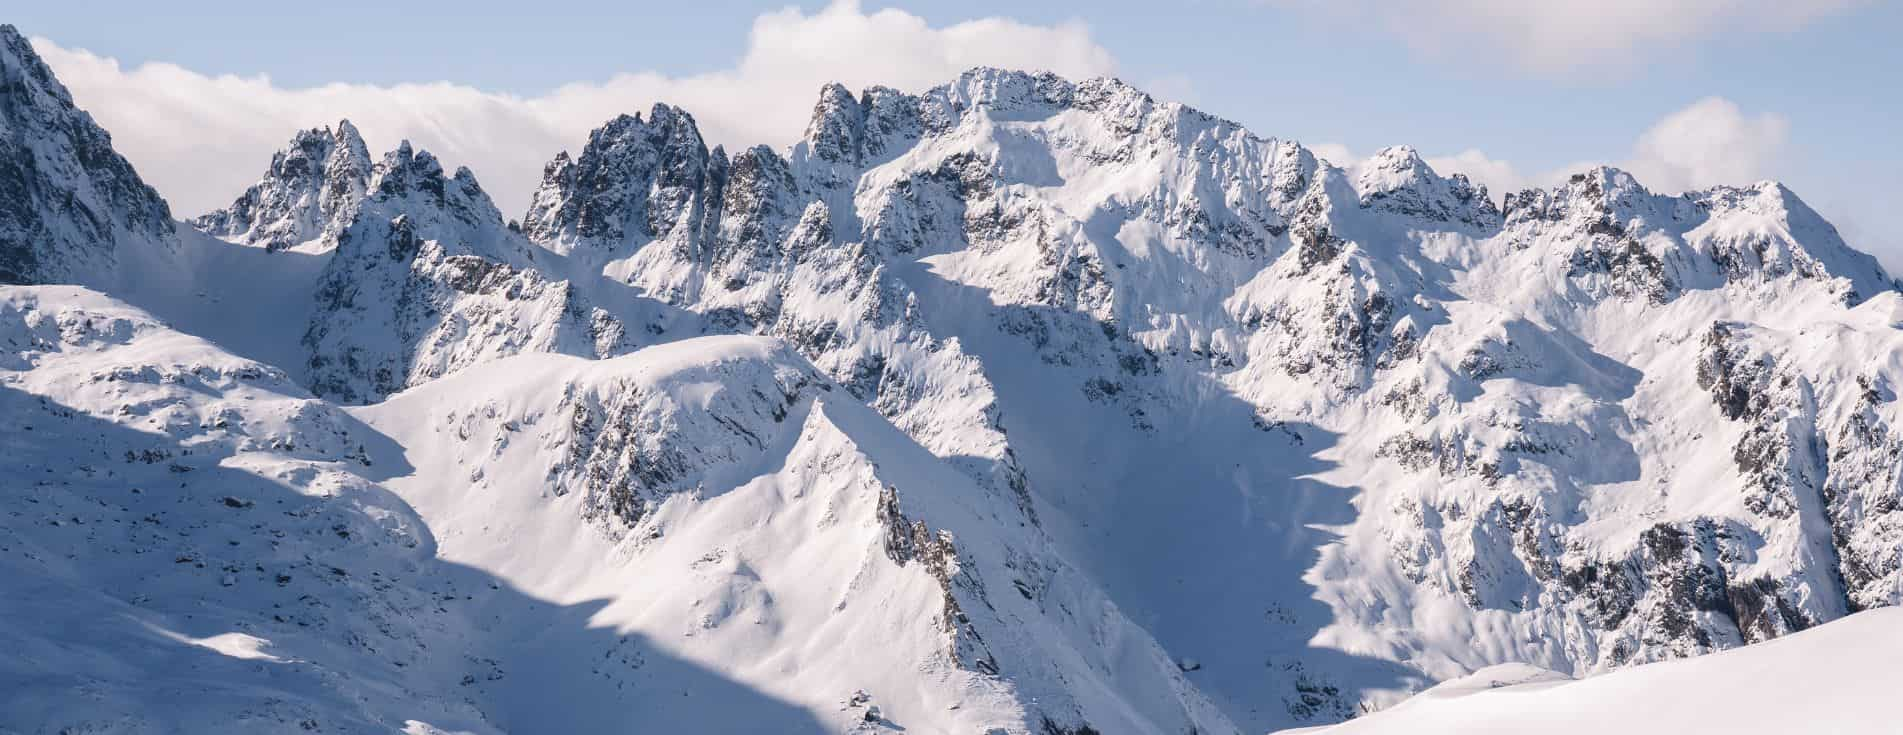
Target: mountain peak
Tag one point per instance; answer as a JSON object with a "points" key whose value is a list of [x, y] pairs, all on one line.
{"points": [[673, 118], [409, 181], [1398, 157], [1757, 233], [17, 56], [1006, 90], [71, 204], [309, 190], [347, 130], [1777, 233], [406, 168], [1398, 180], [631, 181], [838, 120]]}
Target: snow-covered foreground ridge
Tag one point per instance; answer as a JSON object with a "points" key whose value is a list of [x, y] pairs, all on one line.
{"points": [[1019, 403], [452, 557], [1826, 680]]}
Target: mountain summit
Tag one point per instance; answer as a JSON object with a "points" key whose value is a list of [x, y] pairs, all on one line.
{"points": [[308, 192], [71, 208]]}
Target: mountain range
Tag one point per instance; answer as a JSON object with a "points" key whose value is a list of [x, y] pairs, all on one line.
{"points": [[1019, 405]]}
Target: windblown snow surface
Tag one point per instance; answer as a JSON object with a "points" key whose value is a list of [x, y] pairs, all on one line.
{"points": [[1016, 405]]}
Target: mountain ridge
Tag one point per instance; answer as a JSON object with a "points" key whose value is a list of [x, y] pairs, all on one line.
{"points": [[57, 159]]}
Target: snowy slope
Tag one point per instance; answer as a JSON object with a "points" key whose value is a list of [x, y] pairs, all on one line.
{"points": [[202, 513], [1823, 681], [721, 498], [176, 509], [193, 541]]}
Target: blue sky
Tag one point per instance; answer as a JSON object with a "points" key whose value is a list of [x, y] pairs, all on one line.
{"points": [[1536, 93]]}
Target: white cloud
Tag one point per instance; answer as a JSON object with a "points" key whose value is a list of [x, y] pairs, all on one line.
{"points": [[1500, 177], [201, 139], [1557, 36], [1173, 88], [1337, 154], [1709, 143]]}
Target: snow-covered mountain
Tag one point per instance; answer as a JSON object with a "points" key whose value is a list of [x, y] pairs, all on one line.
{"points": [[424, 279], [71, 208], [311, 189], [698, 537], [1018, 404]]}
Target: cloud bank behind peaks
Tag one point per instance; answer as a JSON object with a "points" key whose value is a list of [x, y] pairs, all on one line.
{"points": [[202, 139]]}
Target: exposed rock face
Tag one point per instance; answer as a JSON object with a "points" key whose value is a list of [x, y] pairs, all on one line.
{"points": [[311, 190], [1864, 496], [630, 446], [908, 541], [71, 208], [636, 181], [425, 279]]}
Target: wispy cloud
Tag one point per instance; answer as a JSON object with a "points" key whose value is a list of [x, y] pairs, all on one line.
{"points": [[201, 139], [1557, 37], [1710, 142]]}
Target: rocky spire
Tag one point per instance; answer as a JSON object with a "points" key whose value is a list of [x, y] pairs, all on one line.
{"points": [[408, 183], [70, 206], [635, 181], [310, 190], [838, 121], [426, 279]]}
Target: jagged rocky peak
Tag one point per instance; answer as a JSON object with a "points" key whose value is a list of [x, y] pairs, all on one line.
{"points": [[404, 170], [71, 208], [427, 280], [1004, 90], [309, 191], [1601, 195], [838, 121], [409, 182], [636, 180], [1657, 244], [1777, 234], [882, 121], [1397, 180], [850, 131]]}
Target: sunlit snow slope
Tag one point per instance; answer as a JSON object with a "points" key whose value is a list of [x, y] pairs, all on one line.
{"points": [[1826, 680], [176, 508]]}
